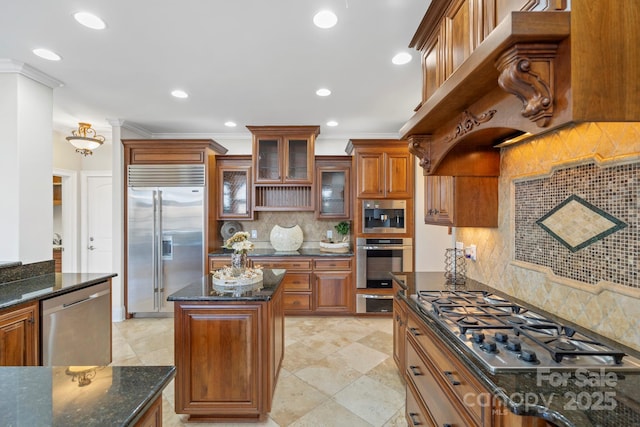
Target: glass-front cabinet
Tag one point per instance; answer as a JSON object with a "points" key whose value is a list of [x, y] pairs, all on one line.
{"points": [[333, 187], [234, 187], [283, 154]]}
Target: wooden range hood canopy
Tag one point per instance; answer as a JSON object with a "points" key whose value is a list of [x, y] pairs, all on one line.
{"points": [[520, 80]]}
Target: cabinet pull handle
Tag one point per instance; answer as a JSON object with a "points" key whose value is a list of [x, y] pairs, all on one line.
{"points": [[414, 332], [414, 421], [446, 425], [415, 371], [435, 211], [452, 380]]}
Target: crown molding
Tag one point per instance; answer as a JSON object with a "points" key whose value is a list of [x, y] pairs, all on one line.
{"points": [[8, 66]]}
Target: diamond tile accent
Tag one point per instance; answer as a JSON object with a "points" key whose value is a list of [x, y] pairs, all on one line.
{"points": [[577, 223]]}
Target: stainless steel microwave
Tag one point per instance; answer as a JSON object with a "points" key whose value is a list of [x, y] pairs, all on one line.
{"points": [[384, 216]]}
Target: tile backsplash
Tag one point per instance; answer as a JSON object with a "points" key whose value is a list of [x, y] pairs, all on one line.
{"points": [[313, 230], [604, 301]]}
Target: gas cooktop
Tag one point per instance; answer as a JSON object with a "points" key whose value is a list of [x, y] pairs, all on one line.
{"points": [[506, 336]]}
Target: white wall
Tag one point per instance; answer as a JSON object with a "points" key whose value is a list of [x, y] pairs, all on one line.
{"points": [[26, 220], [430, 241]]}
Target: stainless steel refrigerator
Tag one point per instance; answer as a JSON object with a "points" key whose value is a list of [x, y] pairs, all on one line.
{"points": [[165, 234]]}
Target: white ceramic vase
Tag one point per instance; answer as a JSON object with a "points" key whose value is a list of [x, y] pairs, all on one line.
{"points": [[286, 239]]}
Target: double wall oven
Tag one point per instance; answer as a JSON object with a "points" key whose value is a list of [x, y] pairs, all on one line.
{"points": [[375, 258]]}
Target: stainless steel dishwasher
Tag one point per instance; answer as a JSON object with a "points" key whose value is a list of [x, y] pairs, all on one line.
{"points": [[76, 327]]}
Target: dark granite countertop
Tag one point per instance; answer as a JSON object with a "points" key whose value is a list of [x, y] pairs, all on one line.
{"points": [[7, 264], [48, 396], [46, 286], [594, 399], [205, 290], [302, 252]]}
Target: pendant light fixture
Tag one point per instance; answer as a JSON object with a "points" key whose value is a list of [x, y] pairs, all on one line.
{"points": [[85, 139]]}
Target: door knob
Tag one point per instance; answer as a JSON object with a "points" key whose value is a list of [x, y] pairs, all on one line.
{"points": [[91, 247]]}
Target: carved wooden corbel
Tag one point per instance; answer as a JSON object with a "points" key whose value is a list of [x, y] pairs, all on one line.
{"points": [[468, 122], [527, 71], [420, 146]]}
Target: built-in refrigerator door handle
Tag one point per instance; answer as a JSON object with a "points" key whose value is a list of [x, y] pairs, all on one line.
{"points": [[160, 258], [154, 267]]}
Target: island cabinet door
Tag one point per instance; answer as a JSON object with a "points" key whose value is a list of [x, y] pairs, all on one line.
{"points": [[218, 350]]}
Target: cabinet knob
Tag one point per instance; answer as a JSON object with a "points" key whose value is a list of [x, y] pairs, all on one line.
{"points": [[415, 371], [452, 380], [414, 420]]}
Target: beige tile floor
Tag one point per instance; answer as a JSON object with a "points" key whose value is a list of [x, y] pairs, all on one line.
{"points": [[337, 371]]}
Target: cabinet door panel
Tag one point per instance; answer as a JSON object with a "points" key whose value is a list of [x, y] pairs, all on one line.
{"points": [[398, 175], [370, 175], [219, 358], [332, 291], [18, 336], [234, 190], [268, 162], [459, 35], [299, 166]]}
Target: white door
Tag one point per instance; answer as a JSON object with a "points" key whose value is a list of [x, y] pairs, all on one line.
{"points": [[98, 236]]}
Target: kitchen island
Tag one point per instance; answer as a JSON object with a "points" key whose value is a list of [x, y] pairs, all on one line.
{"points": [[574, 395], [229, 345], [118, 396]]}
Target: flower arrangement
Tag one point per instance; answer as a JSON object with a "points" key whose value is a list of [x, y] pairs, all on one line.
{"points": [[239, 242]]}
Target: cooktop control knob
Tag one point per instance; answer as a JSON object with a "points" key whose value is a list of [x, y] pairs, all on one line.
{"points": [[529, 356], [477, 337], [489, 346], [514, 345], [501, 337]]}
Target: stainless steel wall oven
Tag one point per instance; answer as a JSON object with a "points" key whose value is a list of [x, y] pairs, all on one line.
{"points": [[375, 259]]}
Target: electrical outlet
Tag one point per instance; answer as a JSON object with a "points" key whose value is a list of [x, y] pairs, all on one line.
{"points": [[471, 252], [329, 234], [254, 234]]}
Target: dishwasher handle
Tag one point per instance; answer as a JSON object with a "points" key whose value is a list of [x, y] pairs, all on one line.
{"points": [[64, 306]]}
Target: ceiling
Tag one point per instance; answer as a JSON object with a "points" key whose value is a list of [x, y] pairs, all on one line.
{"points": [[255, 62]]}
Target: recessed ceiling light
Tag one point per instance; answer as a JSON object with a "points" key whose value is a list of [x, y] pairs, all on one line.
{"points": [[323, 92], [179, 93], [47, 54], [401, 58], [90, 20], [325, 19], [332, 123], [230, 124]]}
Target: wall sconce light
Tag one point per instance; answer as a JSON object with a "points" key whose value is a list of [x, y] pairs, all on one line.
{"points": [[82, 374], [85, 139]]}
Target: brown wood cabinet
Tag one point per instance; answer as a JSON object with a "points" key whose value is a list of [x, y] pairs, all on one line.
{"points": [[228, 356], [19, 335], [57, 258], [333, 187], [461, 201], [315, 285], [384, 168], [57, 190], [333, 286], [399, 332], [234, 187], [438, 384], [283, 167], [153, 416]]}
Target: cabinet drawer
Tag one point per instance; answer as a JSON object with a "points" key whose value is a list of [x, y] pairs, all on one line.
{"points": [[297, 282], [332, 264], [296, 302], [218, 263], [441, 405], [450, 371], [288, 265], [415, 413]]}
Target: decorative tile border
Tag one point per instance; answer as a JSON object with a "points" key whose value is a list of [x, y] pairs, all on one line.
{"points": [[615, 189]]}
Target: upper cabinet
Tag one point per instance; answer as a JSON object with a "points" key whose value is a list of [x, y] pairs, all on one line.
{"points": [[57, 190], [234, 187], [333, 187], [283, 167], [461, 201], [283, 154], [384, 168]]}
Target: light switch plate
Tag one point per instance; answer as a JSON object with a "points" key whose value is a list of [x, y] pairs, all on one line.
{"points": [[254, 234], [329, 234]]}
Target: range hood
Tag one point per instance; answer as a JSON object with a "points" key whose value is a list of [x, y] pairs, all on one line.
{"points": [[535, 72]]}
